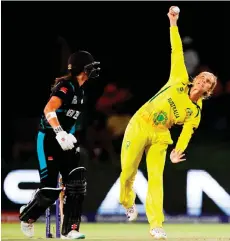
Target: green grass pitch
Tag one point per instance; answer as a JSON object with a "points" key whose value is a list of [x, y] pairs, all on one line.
{"points": [[129, 232]]}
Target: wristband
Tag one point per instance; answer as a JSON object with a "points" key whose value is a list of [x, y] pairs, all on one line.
{"points": [[51, 115], [57, 129]]}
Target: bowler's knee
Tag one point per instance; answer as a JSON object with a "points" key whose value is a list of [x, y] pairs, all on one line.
{"points": [[127, 176]]}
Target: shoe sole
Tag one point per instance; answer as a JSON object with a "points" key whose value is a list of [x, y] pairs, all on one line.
{"points": [[157, 238], [133, 219], [80, 237], [29, 236]]}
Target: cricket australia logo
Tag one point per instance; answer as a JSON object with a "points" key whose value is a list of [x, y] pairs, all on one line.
{"points": [[188, 112], [180, 90], [160, 118]]}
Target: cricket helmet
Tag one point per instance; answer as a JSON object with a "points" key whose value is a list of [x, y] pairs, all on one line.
{"points": [[83, 61]]}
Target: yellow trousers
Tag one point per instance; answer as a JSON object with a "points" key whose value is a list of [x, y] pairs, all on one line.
{"points": [[139, 137]]}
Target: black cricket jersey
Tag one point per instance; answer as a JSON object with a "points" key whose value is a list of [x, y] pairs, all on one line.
{"points": [[73, 104]]}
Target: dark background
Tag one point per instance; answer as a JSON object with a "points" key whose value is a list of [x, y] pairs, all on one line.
{"points": [[131, 40]]}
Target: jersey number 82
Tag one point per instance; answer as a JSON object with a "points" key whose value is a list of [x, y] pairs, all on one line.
{"points": [[73, 113]]}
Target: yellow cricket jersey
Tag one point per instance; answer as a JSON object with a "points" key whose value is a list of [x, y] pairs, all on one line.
{"points": [[172, 105]]}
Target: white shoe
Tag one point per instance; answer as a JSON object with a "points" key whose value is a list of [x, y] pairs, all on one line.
{"points": [[73, 234], [158, 233], [27, 228], [131, 213]]}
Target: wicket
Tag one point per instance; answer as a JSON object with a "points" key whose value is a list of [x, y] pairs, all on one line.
{"points": [[58, 215]]}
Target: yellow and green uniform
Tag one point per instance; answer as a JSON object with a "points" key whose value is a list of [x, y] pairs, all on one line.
{"points": [[148, 130]]}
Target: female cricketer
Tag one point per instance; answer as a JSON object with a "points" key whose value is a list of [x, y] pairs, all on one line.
{"points": [[178, 102], [58, 149]]}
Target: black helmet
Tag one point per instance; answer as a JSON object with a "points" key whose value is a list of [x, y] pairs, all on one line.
{"points": [[83, 61]]}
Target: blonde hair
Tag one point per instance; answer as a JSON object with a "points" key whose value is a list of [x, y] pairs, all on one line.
{"points": [[213, 80]]}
